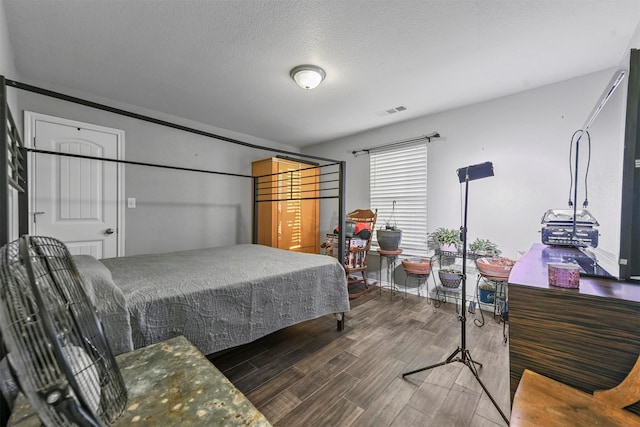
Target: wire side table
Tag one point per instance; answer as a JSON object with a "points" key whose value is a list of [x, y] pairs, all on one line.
{"points": [[500, 305], [390, 258]]}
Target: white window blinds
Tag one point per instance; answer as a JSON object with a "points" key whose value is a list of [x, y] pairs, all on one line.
{"points": [[400, 174]]}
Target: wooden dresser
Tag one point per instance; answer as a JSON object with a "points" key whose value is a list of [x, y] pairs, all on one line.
{"points": [[288, 217], [587, 338]]}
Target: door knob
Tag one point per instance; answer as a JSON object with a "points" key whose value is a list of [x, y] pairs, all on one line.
{"points": [[109, 231]]}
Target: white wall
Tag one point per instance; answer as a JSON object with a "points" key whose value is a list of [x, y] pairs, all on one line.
{"points": [[175, 210], [526, 136]]}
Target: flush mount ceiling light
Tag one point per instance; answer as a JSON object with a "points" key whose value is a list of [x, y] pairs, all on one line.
{"points": [[307, 76]]}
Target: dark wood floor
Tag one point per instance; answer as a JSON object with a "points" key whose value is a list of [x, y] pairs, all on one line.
{"points": [[312, 375]]}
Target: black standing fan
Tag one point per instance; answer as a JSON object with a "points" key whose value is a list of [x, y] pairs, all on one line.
{"points": [[56, 348]]}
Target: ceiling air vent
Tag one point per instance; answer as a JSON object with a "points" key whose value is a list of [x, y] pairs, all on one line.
{"points": [[392, 111]]}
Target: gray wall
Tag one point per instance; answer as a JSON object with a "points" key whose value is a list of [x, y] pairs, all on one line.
{"points": [[175, 210], [526, 136]]}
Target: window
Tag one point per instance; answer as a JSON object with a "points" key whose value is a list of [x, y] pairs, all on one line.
{"points": [[400, 174]]}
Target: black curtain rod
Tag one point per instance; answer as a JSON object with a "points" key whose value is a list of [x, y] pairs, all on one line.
{"points": [[434, 135], [68, 98], [127, 162]]}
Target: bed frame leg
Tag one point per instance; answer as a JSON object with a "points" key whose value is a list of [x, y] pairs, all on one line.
{"points": [[340, 318]]}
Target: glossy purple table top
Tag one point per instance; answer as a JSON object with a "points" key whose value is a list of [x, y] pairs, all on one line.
{"points": [[531, 270]]}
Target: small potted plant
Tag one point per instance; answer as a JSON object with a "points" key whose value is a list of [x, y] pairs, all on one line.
{"points": [[446, 239], [450, 278], [484, 247], [389, 236]]}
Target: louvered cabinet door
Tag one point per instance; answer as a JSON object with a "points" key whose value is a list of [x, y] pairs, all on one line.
{"points": [[288, 216]]}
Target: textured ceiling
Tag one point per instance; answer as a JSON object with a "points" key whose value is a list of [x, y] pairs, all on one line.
{"points": [[226, 63]]}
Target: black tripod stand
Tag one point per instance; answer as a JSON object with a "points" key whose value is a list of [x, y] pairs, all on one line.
{"points": [[462, 354]]}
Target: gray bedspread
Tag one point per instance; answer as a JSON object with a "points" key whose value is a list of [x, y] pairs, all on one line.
{"points": [[217, 298]]}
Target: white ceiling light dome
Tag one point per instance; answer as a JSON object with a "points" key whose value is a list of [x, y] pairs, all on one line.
{"points": [[308, 76]]}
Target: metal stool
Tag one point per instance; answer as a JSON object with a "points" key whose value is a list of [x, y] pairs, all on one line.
{"points": [[390, 257]]}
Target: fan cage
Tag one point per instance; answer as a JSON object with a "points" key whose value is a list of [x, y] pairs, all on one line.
{"points": [[54, 339]]}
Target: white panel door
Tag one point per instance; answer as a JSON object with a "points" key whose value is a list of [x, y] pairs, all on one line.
{"points": [[76, 200]]}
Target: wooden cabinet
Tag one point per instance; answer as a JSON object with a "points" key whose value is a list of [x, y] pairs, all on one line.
{"points": [[288, 209], [587, 338]]}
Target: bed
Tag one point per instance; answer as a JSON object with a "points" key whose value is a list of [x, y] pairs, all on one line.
{"points": [[217, 297]]}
